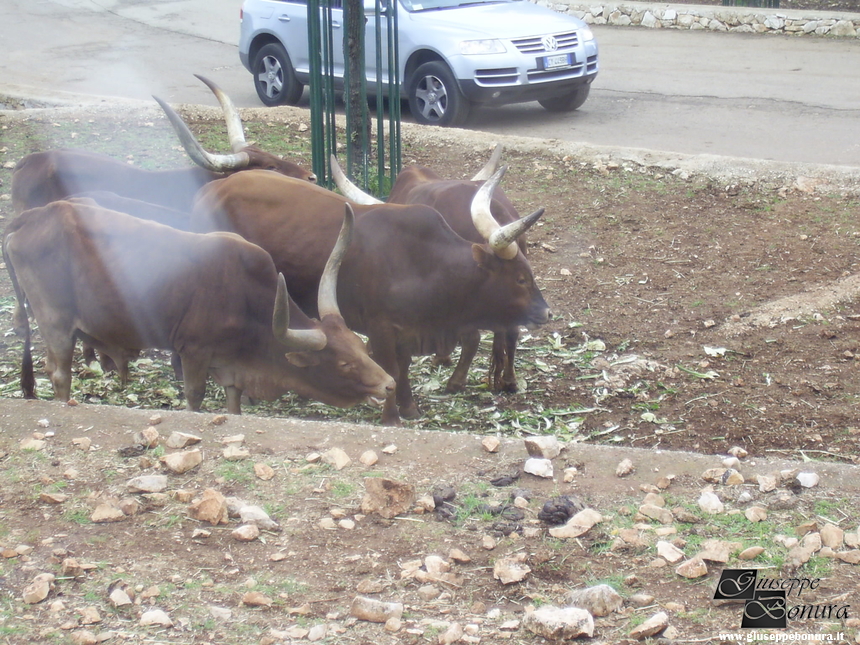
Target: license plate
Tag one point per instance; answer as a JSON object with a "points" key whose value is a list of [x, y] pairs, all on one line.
{"points": [[559, 60]]}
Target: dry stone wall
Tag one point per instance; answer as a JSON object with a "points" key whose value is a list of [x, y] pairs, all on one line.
{"points": [[713, 18]]}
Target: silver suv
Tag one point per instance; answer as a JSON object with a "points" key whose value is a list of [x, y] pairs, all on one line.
{"points": [[453, 54]]}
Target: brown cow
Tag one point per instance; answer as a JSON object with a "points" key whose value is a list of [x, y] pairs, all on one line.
{"points": [[408, 281], [43, 177], [124, 284], [453, 198]]}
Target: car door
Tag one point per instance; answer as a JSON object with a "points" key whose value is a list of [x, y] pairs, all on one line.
{"points": [[370, 41]]}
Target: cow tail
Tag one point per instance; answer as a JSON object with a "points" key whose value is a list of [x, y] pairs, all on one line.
{"points": [[28, 379]]}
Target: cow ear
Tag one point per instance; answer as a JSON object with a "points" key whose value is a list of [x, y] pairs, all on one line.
{"points": [[302, 359], [482, 256]]}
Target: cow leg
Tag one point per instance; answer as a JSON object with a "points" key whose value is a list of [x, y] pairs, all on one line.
{"points": [[468, 348], [403, 392], [385, 354], [234, 399], [58, 365], [195, 371], [503, 377], [176, 364]]}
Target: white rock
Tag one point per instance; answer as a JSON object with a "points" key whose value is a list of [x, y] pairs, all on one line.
{"points": [[147, 484], [258, 517], [669, 552], [511, 569], [832, 536], [317, 632], [39, 589], [246, 532], [557, 623], [808, 480], [451, 635], [337, 458], [264, 471], [106, 513], [211, 507], [538, 467], [543, 447], [710, 503], [654, 625], [692, 568], [181, 440], [766, 483], [375, 611], [368, 458], [182, 462], [235, 452], [155, 617], [386, 497], [624, 468], [577, 525], [599, 600], [491, 444]]}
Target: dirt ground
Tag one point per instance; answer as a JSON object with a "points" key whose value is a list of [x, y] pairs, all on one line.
{"points": [[692, 312]]}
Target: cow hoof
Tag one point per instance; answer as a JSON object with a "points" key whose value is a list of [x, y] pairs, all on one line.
{"points": [[453, 388], [410, 411]]}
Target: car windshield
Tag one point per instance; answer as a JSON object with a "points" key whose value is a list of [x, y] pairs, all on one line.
{"points": [[438, 5]]}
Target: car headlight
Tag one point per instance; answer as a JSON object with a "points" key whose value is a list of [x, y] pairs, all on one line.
{"points": [[585, 34], [473, 47]]}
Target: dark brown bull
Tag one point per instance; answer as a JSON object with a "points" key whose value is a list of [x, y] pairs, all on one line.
{"points": [[124, 285], [453, 198], [43, 177], [408, 281]]}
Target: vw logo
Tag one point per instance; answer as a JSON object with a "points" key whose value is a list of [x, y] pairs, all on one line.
{"points": [[549, 43]]}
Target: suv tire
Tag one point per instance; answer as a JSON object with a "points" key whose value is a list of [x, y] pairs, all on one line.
{"points": [[274, 77], [568, 102], [435, 98]]}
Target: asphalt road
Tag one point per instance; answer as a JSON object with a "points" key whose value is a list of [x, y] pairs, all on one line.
{"points": [[757, 96]]}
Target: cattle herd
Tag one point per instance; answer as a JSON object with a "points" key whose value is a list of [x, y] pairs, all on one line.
{"points": [[253, 275]]}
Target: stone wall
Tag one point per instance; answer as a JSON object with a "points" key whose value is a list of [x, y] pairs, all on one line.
{"points": [[711, 17]]}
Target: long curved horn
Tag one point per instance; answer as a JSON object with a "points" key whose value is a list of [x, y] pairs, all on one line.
{"points": [[295, 339], [204, 159], [327, 295], [504, 238], [492, 165], [231, 115], [352, 192]]}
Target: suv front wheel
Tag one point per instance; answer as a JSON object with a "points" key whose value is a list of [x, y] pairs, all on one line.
{"points": [[435, 98], [568, 102], [274, 77]]}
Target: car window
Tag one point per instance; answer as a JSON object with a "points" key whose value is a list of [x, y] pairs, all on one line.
{"points": [[436, 5]]}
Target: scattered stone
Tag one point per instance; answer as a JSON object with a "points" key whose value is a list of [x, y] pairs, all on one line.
{"points": [[317, 632], [669, 552], [683, 515], [337, 458], [851, 557], [709, 502], [375, 611], [714, 475], [766, 483], [71, 568], [246, 533], [641, 599], [33, 444], [390, 449], [456, 555], [538, 467], [731, 462], [751, 553], [369, 458], [82, 443], [737, 451], [90, 616], [182, 462], [692, 568], [808, 480], [155, 618], [264, 471], [147, 484], [119, 597], [812, 542], [511, 569], [732, 478], [220, 613], [53, 498], [832, 536], [235, 452], [211, 507], [106, 513], [83, 637], [570, 474], [148, 437], [624, 468], [219, 419], [425, 503], [756, 514], [386, 497], [577, 525], [718, 550], [256, 599], [367, 586], [543, 447], [559, 623], [488, 542], [233, 438], [657, 513], [451, 635], [491, 444], [655, 499], [651, 627], [180, 440], [784, 500], [258, 517], [39, 589], [599, 600]]}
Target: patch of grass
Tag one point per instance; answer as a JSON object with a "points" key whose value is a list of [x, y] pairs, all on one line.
{"points": [[237, 472]]}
